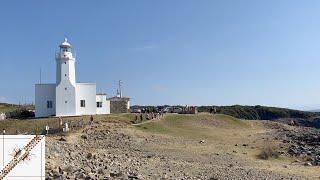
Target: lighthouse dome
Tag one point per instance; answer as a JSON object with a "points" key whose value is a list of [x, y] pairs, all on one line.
{"points": [[65, 44]]}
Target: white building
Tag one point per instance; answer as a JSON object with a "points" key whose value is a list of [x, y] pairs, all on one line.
{"points": [[66, 97]]}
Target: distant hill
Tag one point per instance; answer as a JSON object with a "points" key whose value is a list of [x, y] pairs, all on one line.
{"points": [[17, 111], [260, 112], [314, 110], [5, 107]]}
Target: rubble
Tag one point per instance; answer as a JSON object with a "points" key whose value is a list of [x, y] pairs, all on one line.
{"points": [[303, 142]]}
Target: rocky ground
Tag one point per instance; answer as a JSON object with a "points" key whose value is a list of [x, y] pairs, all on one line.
{"points": [[112, 150], [302, 142]]}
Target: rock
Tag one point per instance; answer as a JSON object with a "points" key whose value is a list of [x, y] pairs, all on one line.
{"points": [[84, 136], [55, 173], [116, 174], [89, 155], [132, 177], [102, 171], [297, 161], [307, 164], [62, 139], [87, 169], [150, 155], [90, 176]]}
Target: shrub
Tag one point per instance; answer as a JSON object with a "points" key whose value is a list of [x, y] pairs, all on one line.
{"points": [[268, 152]]}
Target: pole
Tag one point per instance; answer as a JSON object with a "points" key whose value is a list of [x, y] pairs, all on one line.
{"points": [[3, 133], [47, 129], [40, 75], [120, 90]]}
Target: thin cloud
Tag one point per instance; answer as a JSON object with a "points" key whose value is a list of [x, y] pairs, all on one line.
{"points": [[160, 88], [144, 48], [3, 99]]}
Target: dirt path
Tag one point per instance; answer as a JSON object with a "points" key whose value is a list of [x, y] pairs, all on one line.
{"points": [[148, 121]]}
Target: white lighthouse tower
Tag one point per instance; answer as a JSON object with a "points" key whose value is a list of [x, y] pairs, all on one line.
{"points": [[67, 97], [65, 63], [65, 81]]}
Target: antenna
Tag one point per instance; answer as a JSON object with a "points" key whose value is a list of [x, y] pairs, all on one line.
{"points": [[40, 75], [120, 89]]}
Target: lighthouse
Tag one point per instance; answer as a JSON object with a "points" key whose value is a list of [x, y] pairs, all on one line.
{"points": [[65, 64], [65, 81], [66, 97]]}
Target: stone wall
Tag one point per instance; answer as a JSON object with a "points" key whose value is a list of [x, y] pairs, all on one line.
{"points": [[118, 107]]}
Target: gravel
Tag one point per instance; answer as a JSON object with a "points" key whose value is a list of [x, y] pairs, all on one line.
{"points": [[106, 151]]}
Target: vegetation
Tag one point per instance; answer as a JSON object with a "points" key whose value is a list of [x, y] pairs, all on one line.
{"points": [[197, 126], [268, 152], [30, 126], [249, 112], [4, 107], [259, 112], [17, 111]]}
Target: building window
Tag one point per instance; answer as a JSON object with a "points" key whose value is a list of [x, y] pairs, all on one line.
{"points": [[65, 88], [49, 104], [66, 102], [82, 103], [99, 104]]}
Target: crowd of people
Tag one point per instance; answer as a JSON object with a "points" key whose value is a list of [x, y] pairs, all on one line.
{"points": [[148, 114]]}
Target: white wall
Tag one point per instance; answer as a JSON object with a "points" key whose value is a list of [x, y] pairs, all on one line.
{"points": [[65, 99], [44, 93], [128, 105], [87, 92], [65, 67], [105, 109]]}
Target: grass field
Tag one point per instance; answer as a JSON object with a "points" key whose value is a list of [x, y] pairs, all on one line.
{"points": [[222, 135], [194, 126], [32, 126], [8, 108]]}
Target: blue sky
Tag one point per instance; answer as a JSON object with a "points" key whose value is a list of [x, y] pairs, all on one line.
{"points": [[169, 52]]}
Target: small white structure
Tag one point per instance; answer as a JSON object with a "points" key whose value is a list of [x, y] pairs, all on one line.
{"points": [[2, 116], [66, 97]]}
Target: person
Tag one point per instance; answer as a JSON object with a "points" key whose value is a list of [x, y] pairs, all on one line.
{"points": [[292, 123], [91, 120], [81, 122], [141, 116], [60, 123]]}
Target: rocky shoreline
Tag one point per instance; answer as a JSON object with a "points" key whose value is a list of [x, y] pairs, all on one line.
{"points": [[300, 142]]}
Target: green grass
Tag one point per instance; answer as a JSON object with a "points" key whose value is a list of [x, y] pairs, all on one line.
{"points": [[31, 126], [192, 126], [27, 126], [153, 127], [4, 108]]}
